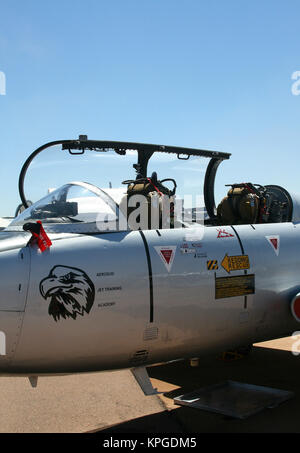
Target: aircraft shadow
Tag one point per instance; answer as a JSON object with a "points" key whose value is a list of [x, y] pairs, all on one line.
{"points": [[265, 367], [162, 422]]}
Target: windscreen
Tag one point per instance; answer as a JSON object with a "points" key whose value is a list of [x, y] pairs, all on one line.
{"points": [[76, 207]]}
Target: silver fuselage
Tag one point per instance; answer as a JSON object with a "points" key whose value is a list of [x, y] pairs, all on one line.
{"points": [[144, 311]]}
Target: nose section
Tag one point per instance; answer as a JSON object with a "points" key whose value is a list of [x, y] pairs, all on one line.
{"points": [[10, 331], [14, 281]]}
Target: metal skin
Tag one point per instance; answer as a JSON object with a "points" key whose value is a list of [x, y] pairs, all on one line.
{"points": [[133, 311]]}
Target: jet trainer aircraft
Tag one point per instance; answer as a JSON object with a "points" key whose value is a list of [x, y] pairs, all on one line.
{"points": [[97, 279]]}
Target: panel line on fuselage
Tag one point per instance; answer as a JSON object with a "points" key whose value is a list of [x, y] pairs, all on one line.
{"points": [[150, 276], [243, 253]]}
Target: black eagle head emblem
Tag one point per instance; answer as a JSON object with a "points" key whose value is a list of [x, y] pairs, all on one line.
{"points": [[70, 290]]}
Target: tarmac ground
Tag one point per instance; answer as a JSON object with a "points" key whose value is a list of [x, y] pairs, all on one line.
{"points": [[112, 402]]}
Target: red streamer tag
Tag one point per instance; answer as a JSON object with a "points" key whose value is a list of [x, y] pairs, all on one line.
{"points": [[43, 241]]}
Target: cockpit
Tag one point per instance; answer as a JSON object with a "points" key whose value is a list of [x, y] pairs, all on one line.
{"points": [[166, 179], [77, 207], [80, 207], [156, 196]]}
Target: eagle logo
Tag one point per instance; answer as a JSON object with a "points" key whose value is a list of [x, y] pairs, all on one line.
{"points": [[70, 290]]}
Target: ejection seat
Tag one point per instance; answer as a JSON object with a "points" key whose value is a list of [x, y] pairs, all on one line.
{"points": [[154, 201]]}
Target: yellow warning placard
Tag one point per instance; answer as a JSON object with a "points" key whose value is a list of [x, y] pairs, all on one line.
{"points": [[241, 285], [236, 263], [212, 265]]}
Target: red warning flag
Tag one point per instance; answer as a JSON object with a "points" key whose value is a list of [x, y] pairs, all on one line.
{"points": [[43, 240], [39, 235]]}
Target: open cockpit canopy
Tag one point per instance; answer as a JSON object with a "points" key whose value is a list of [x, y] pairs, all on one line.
{"points": [[147, 155], [152, 177], [160, 174]]}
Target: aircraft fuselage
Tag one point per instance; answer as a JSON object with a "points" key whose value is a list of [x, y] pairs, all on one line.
{"points": [[124, 299]]}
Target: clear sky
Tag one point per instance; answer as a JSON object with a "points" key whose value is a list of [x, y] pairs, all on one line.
{"points": [[212, 74]]}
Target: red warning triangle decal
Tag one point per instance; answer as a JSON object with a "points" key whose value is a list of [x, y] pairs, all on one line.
{"points": [[167, 255], [274, 241], [224, 234]]}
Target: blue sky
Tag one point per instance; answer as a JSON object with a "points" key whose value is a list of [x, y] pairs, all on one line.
{"points": [[208, 74]]}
